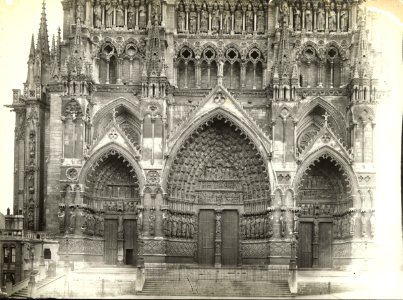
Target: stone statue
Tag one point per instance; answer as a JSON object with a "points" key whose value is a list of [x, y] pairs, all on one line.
{"points": [[248, 228], [204, 21], [238, 21], [191, 228], [335, 227], [61, 217], [131, 18], [174, 226], [183, 226], [120, 17], [296, 223], [344, 18], [192, 22], [142, 17], [252, 227], [227, 22], [243, 228], [181, 21], [260, 21], [249, 21], [101, 225], [164, 223], [308, 18], [109, 16], [72, 224], [321, 19], [297, 19], [284, 12], [363, 225], [215, 21], [352, 224], [282, 225], [80, 10], [372, 224], [332, 18], [120, 226], [151, 219]]}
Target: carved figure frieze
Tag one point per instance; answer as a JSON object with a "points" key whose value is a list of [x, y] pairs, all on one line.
{"points": [[179, 225]]}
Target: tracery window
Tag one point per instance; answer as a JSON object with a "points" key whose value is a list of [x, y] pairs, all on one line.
{"points": [[232, 68], [254, 69], [108, 64], [186, 68], [208, 68]]}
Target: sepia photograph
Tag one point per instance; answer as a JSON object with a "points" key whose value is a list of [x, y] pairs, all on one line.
{"points": [[197, 149]]}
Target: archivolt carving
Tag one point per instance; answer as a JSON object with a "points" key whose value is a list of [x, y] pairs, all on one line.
{"points": [[218, 155]]}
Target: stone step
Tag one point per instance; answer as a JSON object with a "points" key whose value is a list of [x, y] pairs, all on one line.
{"points": [[220, 288]]}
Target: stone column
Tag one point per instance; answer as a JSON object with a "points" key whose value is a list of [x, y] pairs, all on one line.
{"points": [[89, 14], [119, 66], [217, 242], [120, 234]]}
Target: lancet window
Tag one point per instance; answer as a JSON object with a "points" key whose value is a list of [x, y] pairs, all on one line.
{"points": [[108, 64]]}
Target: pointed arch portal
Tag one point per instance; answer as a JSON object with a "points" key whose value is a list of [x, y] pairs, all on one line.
{"points": [[217, 175], [324, 197], [112, 187]]}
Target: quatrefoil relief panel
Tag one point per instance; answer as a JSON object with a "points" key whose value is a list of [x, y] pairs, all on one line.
{"points": [[219, 99]]}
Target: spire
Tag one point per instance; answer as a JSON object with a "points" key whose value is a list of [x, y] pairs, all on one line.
{"points": [[53, 50], [32, 50], [43, 38]]}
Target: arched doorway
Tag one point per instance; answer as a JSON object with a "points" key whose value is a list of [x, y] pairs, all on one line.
{"points": [[112, 187], [217, 179], [324, 197]]}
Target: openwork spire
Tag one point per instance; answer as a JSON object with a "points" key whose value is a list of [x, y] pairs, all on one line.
{"points": [[43, 37]]}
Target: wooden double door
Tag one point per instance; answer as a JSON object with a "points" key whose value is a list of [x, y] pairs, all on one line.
{"points": [[228, 238], [128, 245], [315, 254]]}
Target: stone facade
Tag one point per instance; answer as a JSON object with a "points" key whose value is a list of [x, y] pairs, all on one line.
{"points": [[143, 114]]}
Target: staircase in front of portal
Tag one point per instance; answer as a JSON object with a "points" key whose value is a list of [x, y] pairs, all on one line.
{"points": [[213, 288]]}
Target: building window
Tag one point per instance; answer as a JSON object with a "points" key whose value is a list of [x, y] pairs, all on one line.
{"points": [[9, 254], [47, 254]]}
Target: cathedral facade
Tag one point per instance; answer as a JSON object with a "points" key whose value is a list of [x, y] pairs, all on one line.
{"points": [[220, 133]]}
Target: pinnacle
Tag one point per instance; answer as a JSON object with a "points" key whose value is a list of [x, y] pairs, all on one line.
{"points": [[32, 50]]}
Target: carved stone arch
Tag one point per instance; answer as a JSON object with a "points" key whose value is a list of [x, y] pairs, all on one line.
{"points": [[232, 46], [103, 47], [115, 103], [256, 46], [340, 162], [309, 44], [181, 46], [111, 149], [278, 196], [213, 47], [340, 50], [204, 120], [334, 113]]}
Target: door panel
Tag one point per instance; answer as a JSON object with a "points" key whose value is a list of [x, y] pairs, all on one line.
{"points": [[130, 241], [325, 245], [206, 237], [229, 237], [305, 245], [111, 241]]}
